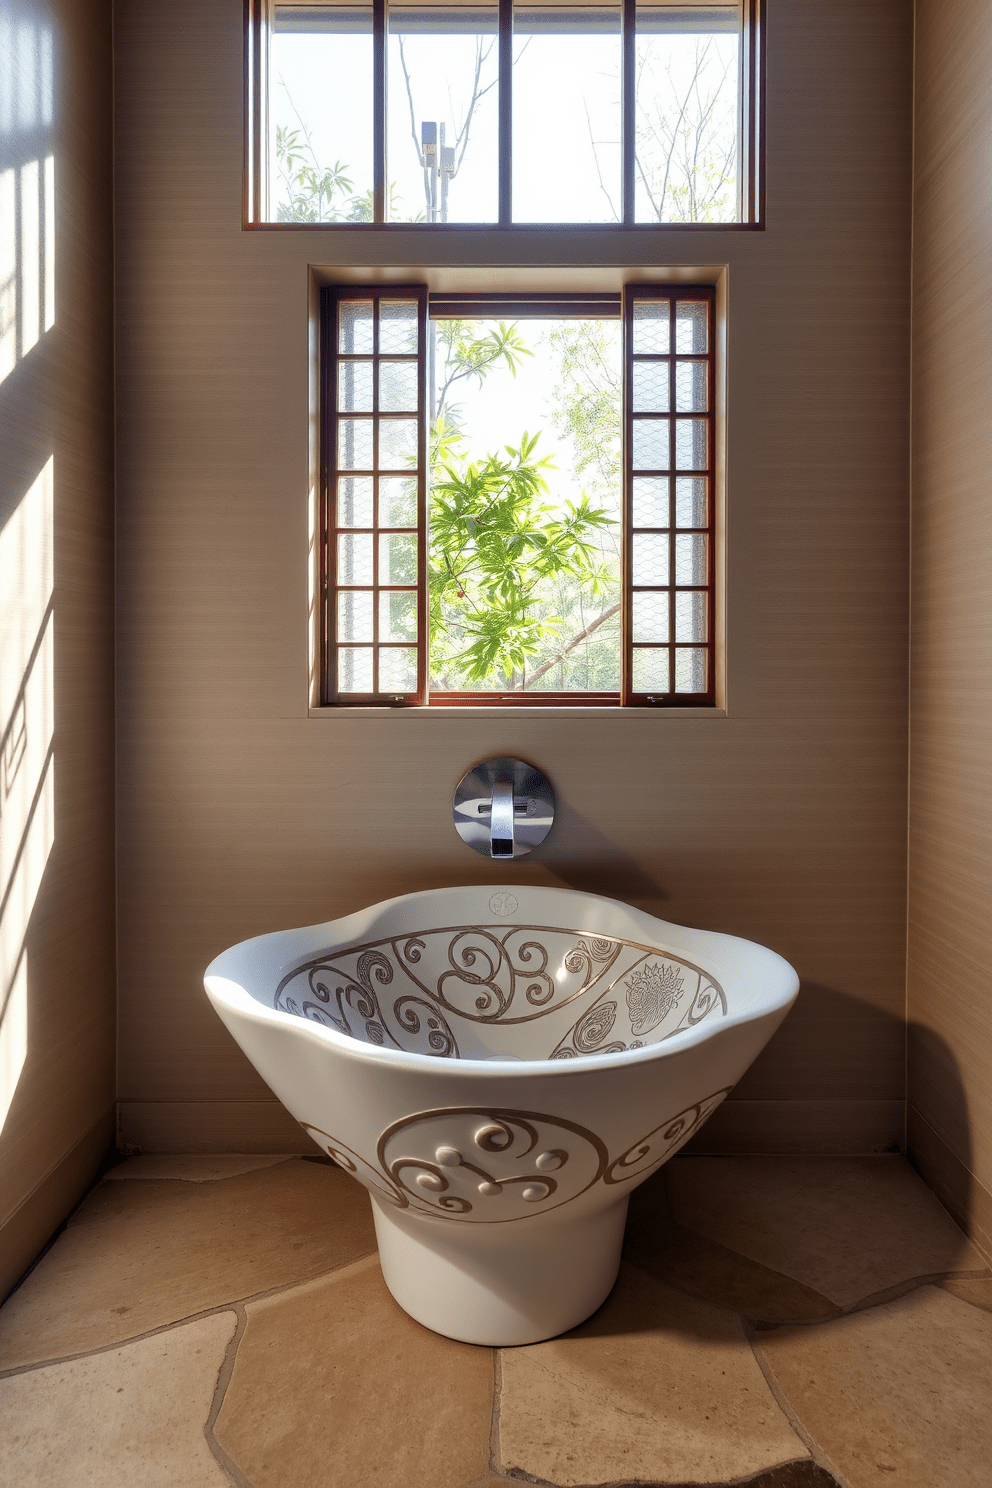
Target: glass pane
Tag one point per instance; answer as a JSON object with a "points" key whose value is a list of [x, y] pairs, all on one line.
{"points": [[355, 615], [397, 559], [690, 671], [691, 326], [691, 387], [355, 501], [650, 501], [690, 501], [650, 671], [690, 560], [320, 93], [687, 109], [443, 130], [650, 558], [690, 617], [398, 328], [398, 669], [691, 444], [651, 393], [650, 616], [354, 558], [354, 444], [397, 616], [354, 669], [651, 447], [398, 387], [355, 326], [355, 387], [566, 114], [397, 501], [652, 319], [397, 443]]}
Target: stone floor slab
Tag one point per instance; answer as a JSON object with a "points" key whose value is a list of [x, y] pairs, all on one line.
{"points": [[335, 1384], [138, 1256], [804, 1474], [695, 1264], [194, 1167], [131, 1417], [846, 1227], [655, 1387], [897, 1395]]}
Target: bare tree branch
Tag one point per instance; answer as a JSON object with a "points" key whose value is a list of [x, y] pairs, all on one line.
{"points": [[566, 649]]}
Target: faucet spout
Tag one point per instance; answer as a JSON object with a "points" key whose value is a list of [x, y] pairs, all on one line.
{"points": [[501, 820]]}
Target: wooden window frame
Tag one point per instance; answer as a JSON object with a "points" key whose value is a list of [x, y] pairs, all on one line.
{"points": [[611, 305], [258, 16]]}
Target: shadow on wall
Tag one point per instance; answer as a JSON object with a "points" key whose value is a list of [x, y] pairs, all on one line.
{"points": [[586, 859], [940, 1143]]}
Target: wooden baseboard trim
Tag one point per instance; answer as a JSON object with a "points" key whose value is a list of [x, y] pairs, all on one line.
{"points": [[966, 1200], [822, 1128], [27, 1230], [211, 1126]]}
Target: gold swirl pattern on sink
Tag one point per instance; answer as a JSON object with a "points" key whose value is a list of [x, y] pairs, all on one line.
{"points": [[433, 991], [484, 1165]]}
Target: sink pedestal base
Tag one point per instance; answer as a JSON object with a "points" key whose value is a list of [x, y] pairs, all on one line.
{"points": [[500, 1284]]}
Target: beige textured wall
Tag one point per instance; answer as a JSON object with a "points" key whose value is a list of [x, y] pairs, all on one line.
{"points": [[784, 821], [56, 617], [950, 972]]}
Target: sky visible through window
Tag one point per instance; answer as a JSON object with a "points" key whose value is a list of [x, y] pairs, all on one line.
{"points": [[566, 163]]}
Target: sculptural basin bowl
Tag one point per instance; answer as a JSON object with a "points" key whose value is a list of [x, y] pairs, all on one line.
{"points": [[500, 1068]]}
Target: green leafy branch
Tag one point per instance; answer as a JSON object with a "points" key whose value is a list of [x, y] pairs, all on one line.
{"points": [[495, 545]]}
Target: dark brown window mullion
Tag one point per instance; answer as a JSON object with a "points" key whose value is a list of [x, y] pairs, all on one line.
{"points": [[672, 371], [376, 424], [505, 95], [745, 133], [379, 114], [423, 475], [711, 507], [327, 573], [752, 122], [627, 507], [629, 106], [697, 294]]}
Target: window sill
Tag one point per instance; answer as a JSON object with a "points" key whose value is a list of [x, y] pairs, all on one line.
{"points": [[501, 711]]}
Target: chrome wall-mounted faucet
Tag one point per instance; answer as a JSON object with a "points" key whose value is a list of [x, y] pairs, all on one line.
{"points": [[503, 808]]}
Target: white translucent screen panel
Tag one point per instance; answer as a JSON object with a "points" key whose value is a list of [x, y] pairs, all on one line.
{"points": [[374, 434]]}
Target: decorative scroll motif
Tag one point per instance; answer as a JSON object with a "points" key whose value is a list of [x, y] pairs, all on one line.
{"points": [[367, 1173], [489, 1166], [430, 991], [651, 993], [352, 994], [493, 1166], [665, 1140], [660, 993]]}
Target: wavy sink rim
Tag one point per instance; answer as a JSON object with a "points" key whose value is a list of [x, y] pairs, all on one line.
{"points": [[755, 980]]}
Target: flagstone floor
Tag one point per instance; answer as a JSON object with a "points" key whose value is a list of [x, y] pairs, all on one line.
{"points": [[777, 1322]]}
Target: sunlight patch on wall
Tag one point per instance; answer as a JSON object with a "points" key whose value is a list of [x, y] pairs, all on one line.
{"points": [[27, 766], [27, 188]]}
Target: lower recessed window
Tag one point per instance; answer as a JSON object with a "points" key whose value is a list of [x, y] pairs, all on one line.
{"points": [[519, 498]]}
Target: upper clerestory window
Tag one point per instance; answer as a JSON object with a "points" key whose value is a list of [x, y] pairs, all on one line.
{"points": [[503, 115]]}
